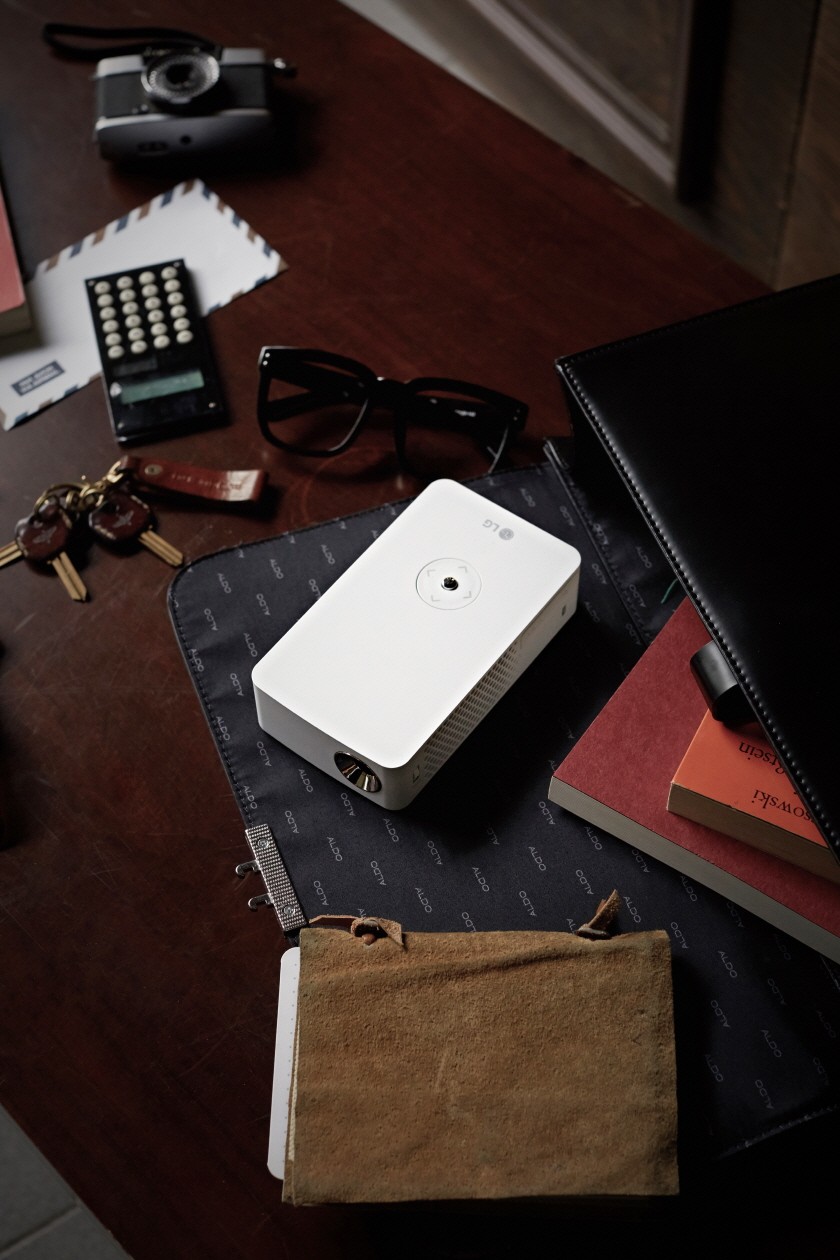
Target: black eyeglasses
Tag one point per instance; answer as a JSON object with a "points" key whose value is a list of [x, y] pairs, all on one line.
{"points": [[312, 402]]}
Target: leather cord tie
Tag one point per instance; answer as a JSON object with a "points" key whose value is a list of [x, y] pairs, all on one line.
{"points": [[367, 929], [596, 928]]}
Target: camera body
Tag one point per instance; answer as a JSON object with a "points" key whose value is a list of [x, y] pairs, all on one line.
{"points": [[172, 101]]}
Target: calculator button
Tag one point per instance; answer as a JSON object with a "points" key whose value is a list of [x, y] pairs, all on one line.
{"points": [[137, 347], [111, 325], [149, 290], [146, 277], [127, 295], [160, 343], [180, 323], [124, 282], [136, 334], [130, 308], [175, 298], [115, 352], [132, 321], [169, 273], [178, 311], [102, 286], [104, 299], [113, 339], [107, 312], [184, 336]]}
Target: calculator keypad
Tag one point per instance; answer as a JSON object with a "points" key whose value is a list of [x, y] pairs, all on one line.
{"points": [[139, 311]]}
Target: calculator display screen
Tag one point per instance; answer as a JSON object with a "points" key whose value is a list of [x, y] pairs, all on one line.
{"points": [[161, 386]]}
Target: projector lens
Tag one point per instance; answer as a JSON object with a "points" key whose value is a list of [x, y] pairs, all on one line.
{"points": [[357, 773]]}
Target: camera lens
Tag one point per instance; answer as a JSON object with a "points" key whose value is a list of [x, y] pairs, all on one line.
{"points": [[177, 79]]}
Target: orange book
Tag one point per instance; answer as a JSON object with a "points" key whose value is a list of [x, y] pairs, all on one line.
{"points": [[733, 781]]}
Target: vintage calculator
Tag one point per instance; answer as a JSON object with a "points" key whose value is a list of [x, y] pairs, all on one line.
{"points": [[157, 363]]}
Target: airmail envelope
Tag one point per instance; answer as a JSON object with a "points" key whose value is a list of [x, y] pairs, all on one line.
{"points": [[59, 355]]}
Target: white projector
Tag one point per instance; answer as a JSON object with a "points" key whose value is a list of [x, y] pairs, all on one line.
{"points": [[384, 677]]}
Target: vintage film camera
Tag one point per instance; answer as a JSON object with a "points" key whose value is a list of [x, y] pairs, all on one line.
{"points": [[174, 93], [184, 100]]}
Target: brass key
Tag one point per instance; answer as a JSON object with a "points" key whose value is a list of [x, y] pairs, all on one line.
{"points": [[41, 539], [121, 516], [9, 553]]}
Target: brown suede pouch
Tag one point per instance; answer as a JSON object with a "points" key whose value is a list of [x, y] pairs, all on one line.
{"points": [[481, 1065]]}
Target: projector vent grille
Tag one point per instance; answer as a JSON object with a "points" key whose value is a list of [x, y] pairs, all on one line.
{"points": [[471, 710]]}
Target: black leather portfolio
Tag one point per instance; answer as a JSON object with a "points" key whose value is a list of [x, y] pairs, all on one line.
{"points": [[723, 429]]}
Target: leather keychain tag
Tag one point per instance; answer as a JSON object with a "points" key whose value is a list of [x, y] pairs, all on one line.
{"points": [[219, 484]]}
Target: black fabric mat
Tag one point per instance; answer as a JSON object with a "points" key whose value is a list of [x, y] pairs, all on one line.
{"points": [[481, 847]]}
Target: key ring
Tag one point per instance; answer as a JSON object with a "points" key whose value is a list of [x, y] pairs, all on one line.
{"points": [[65, 493], [92, 494]]}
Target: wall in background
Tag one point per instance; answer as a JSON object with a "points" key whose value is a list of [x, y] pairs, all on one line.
{"points": [[720, 113]]}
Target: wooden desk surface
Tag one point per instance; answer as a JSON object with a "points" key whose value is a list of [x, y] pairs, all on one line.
{"points": [[426, 231]]}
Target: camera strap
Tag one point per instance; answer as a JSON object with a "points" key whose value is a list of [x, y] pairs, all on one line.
{"points": [[143, 38]]}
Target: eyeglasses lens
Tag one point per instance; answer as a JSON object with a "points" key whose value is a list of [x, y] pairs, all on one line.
{"points": [[314, 407], [452, 435]]}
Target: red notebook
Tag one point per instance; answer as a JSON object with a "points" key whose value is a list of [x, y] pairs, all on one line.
{"points": [[14, 309], [618, 774]]}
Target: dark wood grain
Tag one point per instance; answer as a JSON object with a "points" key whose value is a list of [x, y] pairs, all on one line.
{"points": [[426, 232]]}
